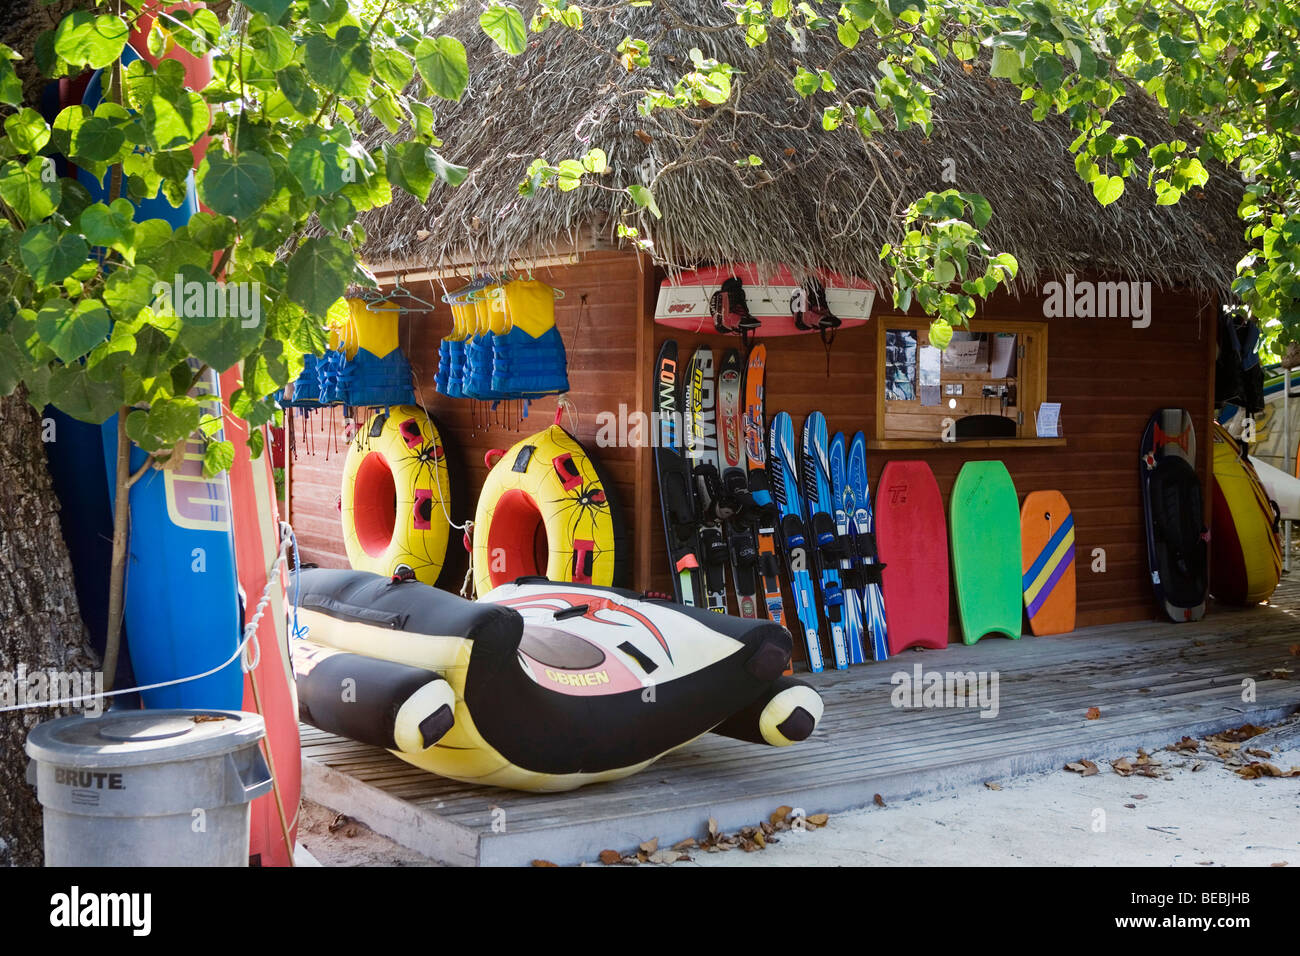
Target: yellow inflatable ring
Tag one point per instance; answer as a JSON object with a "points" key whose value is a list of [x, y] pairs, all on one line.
{"points": [[546, 509], [396, 496]]}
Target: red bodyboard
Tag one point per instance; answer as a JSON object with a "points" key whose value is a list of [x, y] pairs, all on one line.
{"points": [[257, 521], [912, 541]]}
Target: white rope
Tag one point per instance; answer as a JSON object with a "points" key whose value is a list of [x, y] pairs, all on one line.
{"points": [[250, 629]]}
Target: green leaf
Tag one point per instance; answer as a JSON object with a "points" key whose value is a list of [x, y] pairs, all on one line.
{"points": [[408, 167], [297, 90], [236, 186], [505, 25], [217, 457], [319, 272], [392, 68], [1049, 72], [645, 199], [443, 65], [273, 47], [84, 39], [318, 165], [72, 331], [340, 62], [171, 116], [448, 172], [27, 130], [31, 190], [981, 211], [112, 226], [1107, 188], [50, 255], [128, 291], [220, 344], [1006, 63], [72, 390], [273, 9]]}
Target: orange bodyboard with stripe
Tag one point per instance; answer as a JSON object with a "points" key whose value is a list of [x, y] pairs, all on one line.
{"points": [[1047, 562]]}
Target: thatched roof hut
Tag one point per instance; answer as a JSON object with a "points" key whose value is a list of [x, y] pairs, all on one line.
{"points": [[820, 200]]}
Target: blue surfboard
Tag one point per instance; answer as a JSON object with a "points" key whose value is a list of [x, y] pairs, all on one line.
{"points": [[182, 593]]}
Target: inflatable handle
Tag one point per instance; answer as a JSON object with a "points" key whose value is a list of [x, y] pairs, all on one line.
{"points": [[493, 456]]}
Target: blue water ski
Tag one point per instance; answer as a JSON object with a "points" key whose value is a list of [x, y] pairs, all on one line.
{"points": [[783, 475], [821, 528], [862, 537], [843, 507]]}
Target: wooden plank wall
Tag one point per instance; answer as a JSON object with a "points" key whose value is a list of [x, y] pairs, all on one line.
{"points": [[1108, 376], [597, 319]]}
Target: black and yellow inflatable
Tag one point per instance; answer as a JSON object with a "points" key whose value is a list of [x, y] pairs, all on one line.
{"points": [[396, 496], [539, 685], [547, 509]]}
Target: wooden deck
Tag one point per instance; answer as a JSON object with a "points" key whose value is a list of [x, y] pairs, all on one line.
{"points": [[1153, 682]]}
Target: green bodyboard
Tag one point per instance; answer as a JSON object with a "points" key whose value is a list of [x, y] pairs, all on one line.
{"points": [[984, 534]]}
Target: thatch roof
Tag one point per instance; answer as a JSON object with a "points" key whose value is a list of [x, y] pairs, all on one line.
{"points": [[821, 200]]}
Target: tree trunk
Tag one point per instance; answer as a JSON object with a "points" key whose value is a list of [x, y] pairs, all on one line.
{"points": [[40, 623]]}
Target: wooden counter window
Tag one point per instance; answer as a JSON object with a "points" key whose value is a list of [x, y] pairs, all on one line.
{"points": [[989, 390]]}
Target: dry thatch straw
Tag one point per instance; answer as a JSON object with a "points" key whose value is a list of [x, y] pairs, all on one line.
{"points": [[820, 201]]}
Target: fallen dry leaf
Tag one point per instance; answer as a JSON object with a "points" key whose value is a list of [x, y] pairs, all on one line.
{"points": [[1186, 745], [544, 863], [818, 819], [683, 844], [1085, 767], [1138, 796], [1131, 806], [713, 827], [779, 814], [992, 786], [1205, 863], [1199, 765], [1254, 770], [878, 800], [1238, 734], [1093, 713], [1123, 767], [1283, 863], [610, 857], [665, 856], [760, 839], [649, 846], [1256, 752]]}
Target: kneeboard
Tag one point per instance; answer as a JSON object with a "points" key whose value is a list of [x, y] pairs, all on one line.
{"points": [[1047, 562], [984, 533], [1171, 497], [912, 543]]}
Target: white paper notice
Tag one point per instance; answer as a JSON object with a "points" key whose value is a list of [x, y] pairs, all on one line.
{"points": [[1049, 420]]}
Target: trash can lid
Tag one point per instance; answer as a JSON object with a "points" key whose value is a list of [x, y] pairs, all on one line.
{"points": [[127, 738]]}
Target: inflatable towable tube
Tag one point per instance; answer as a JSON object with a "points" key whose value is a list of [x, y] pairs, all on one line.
{"points": [[396, 496], [1245, 557], [539, 685], [547, 508]]}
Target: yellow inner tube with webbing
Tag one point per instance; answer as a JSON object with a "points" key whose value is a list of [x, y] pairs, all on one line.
{"points": [[397, 496], [547, 509]]}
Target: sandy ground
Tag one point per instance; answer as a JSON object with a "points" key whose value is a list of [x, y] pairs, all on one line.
{"points": [[336, 840], [1183, 818], [1180, 817]]}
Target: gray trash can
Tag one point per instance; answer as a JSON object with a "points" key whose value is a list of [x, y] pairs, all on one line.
{"points": [[148, 787]]}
